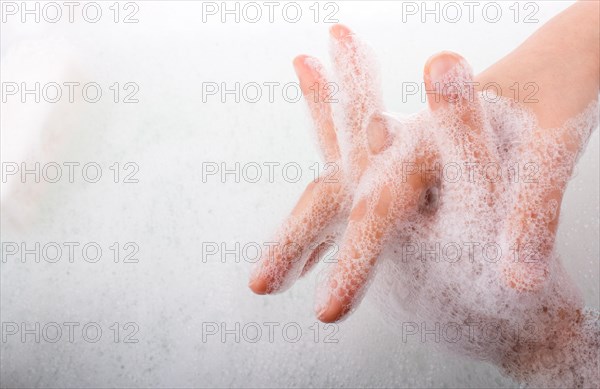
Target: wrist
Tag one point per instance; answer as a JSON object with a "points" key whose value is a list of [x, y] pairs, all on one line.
{"points": [[565, 356], [555, 72]]}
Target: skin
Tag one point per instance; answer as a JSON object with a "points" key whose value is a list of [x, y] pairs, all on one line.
{"points": [[569, 42]]}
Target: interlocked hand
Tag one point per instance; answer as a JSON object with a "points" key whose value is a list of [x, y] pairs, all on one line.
{"points": [[391, 199]]}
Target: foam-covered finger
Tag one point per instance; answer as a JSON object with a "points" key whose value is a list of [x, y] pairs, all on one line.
{"points": [[531, 235], [369, 222], [449, 83], [319, 93], [452, 98], [282, 261], [546, 162], [355, 67]]}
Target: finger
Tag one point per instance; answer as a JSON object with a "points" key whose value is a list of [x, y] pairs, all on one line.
{"points": [[317, 92], [282, 262], [317, 255], [452, 98], [550, 155], [355, 68], [371, 220], [531, 234]]}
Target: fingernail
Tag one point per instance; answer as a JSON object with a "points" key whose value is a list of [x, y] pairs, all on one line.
{"points": [[437, 70], [444, 82]]}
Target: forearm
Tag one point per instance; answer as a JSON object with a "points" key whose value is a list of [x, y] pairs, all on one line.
{"points": [[561, 59]]}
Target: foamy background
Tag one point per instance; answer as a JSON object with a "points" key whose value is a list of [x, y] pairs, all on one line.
{"points": [[171, 292]]}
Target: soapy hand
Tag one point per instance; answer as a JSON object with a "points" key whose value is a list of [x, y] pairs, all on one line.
{"points": [[397, 156], [475, 180]]}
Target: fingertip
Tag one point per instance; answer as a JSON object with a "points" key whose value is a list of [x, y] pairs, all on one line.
{"points": [[300, 60], [258, 285], [438, 72], [300, 64], [440, 63], [339, 31], [308, 70], [332, 312]]}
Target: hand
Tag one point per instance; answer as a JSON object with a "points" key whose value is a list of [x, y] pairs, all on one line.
{"points": [[385, 203], [373, 210]]}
